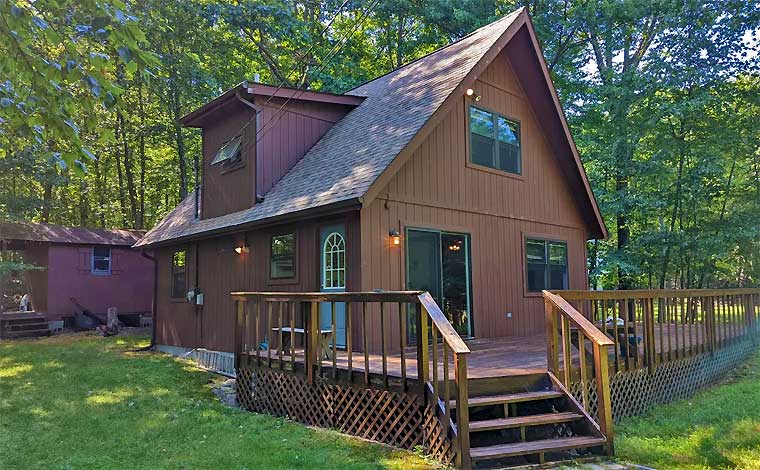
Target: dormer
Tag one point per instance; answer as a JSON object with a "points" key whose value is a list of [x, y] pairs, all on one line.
{"points": [[253, 135]]}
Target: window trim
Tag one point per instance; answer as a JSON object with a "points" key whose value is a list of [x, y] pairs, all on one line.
{"points": [[283, 280], [468, 138], [333, 270], [171, 275], [545, 238], [99, 272]]}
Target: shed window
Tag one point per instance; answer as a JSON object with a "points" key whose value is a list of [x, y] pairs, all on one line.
{"points": [[179, 274], [229, 153], [283, 256], [494, 141], [101, 260], [546, 265]]}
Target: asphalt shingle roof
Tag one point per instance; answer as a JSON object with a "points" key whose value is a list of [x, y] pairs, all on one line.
{"points": [[28, 231], [345, 162]]}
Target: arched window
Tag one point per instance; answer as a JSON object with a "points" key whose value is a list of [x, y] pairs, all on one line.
{"points": [[334, 266]]}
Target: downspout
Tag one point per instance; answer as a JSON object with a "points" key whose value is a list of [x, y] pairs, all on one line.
{"points": [[154, 301]]}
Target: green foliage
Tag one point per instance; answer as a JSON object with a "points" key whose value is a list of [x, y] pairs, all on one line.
{"points": [[60, 59], [80, 401], [661, 96]]}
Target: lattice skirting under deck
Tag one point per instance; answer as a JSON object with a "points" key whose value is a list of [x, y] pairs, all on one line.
{"points": [[635, 392], [394, 418]]}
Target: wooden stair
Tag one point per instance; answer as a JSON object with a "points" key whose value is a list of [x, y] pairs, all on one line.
{"points": [[509, 426], [23, 325]]}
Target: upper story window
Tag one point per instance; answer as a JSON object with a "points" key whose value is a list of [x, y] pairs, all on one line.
{"points": [[101, 260], [179, 275], [546, 265], [283, 257], [229, 154], [494, 141]]}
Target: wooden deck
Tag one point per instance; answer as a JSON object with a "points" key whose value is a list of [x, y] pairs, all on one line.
{"points": [[511, 356]]}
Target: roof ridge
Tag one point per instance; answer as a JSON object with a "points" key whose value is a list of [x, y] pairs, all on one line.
{"points": [[442, 48]]}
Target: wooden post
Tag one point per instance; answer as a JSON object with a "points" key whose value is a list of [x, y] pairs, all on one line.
{"points": [[239, 315], [314, 351], [423, 351], [552, 344], [649, 340], [604, 405], [709, 308], [463, 412]]}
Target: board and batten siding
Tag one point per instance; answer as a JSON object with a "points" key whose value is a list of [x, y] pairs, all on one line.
{"points": [[438, 188], [221, 270]]}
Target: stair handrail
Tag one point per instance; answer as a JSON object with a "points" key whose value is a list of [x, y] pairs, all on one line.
{"points": [[557, 307], [451, 340]]}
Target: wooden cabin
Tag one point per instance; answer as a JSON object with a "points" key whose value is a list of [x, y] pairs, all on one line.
{"points": [[81, 268], [391, 261]]}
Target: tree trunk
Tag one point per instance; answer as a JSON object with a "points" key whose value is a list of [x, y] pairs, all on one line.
{"points": [[176, 112], [131, 192], [140, 222]]}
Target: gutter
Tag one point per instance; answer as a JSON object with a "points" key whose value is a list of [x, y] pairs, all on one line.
{"points": [[154, 301]]}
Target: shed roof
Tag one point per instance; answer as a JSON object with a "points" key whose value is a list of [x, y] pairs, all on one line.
{"points": [[341, 168], [37, 232]]}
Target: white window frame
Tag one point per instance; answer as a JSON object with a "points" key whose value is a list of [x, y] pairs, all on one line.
{"points": [[336, 251], [101, 272]]}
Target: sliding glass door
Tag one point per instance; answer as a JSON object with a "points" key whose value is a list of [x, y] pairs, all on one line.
{"points": [[439, 262]]}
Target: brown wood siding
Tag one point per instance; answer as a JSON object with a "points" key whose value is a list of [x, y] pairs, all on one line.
{"points": [[222, 271], [286, 134], [176, 320], [226, 190], [439, 189]]}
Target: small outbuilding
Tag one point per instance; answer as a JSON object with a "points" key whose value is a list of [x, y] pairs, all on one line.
{"points": [[78, 269]]}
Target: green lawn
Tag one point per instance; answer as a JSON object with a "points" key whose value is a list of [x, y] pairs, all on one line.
{"points": [[76, 402], [717, 428]]}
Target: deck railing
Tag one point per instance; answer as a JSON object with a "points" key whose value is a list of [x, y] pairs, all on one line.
{"points": [[629, 330], [567, 327], [397, 340], [654, 326]]}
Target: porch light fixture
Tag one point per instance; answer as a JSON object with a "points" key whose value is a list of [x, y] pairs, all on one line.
{"points": [[395, 237], [471, 93], [241, 249]]}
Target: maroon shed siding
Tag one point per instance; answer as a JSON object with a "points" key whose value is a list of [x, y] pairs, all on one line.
{"points": [[128, 287]]}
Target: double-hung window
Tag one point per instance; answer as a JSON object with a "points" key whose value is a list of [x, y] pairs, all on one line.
{"points": [[179, 275], [283, 257], [546, 264], [101, 260], [494, 141]]}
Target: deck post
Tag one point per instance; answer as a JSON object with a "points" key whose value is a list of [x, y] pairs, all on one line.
{"points": [[709, 309], [604, 407], [238, 334], [313, 350], [463, 412], [649, 343], [552, 343], [423, 351]]}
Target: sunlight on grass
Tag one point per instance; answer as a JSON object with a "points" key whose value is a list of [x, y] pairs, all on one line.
{"points": [[717, 428], [14, 371], [161, 409], [109, 397]]}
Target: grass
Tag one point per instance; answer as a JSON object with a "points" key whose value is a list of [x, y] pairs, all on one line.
{"points": [[87, 402], [717, 428]]}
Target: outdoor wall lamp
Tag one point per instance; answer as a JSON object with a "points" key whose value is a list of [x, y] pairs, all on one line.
{"points": [[395, 237], [471, 93], [241, 249]]}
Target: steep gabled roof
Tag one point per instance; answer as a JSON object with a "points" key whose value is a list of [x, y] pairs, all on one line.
{"points": [[353, 159], [34, 232]]}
